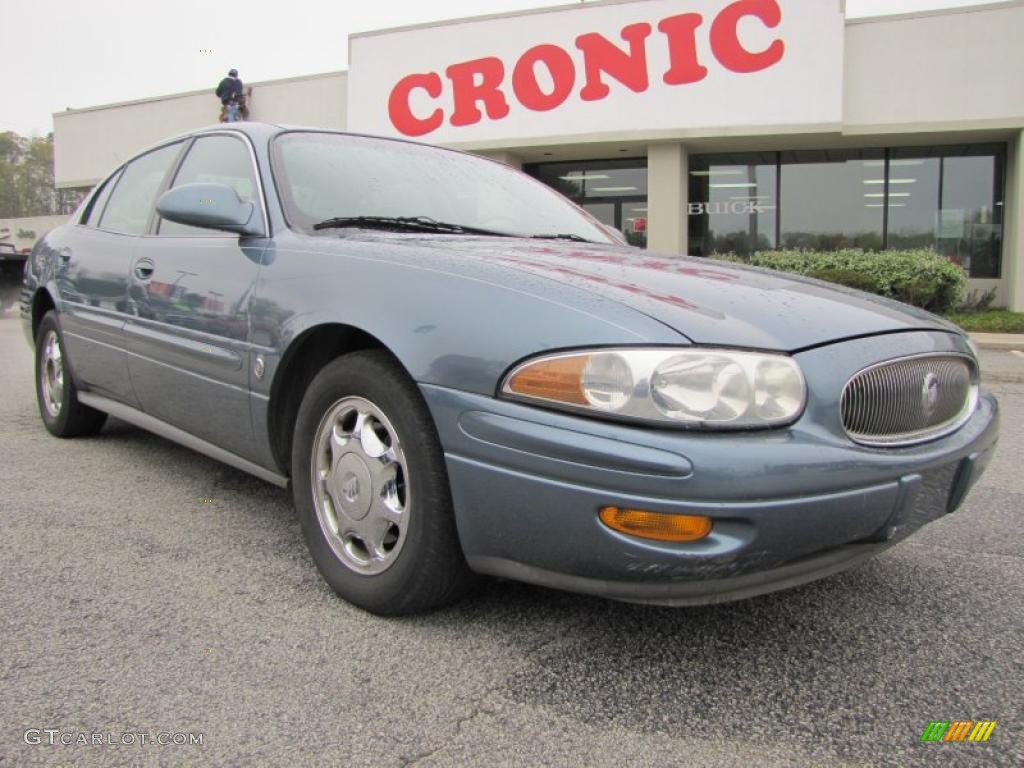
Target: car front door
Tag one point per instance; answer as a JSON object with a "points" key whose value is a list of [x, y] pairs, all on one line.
{"points": [[92, 268], [188, 333]]}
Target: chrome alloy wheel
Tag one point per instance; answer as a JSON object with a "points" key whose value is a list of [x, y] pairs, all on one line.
{"points": [[51, 375], [360, 485]]}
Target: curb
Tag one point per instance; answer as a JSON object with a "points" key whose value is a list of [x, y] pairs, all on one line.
{"points": [[999, 378], [998, 340]]}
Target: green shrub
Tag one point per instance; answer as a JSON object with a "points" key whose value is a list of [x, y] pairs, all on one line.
{"points": [[919, 277], [847, 277]]}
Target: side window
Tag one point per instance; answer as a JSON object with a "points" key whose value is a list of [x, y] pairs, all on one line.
{"points": [[99, 202], [218, 160], [131, 203]]}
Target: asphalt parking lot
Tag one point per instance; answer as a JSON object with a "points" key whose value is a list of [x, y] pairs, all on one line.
{"points": [[149, 590]]}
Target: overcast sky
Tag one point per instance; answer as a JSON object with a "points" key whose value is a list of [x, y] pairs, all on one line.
{"points": [[70, 53]]}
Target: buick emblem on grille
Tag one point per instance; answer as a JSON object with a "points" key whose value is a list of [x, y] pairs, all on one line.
{"points": [[929, 393]]}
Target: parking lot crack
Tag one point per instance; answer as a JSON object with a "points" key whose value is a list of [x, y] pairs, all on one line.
{"points": [[478, 706]]}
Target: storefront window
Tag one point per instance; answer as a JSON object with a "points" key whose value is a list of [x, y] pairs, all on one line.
{"points": [[833, 199], [613, 191], [946, 198], [914, 180], [732, 203], [970, 226]]}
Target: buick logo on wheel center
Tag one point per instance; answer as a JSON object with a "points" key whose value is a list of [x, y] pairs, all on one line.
{"points": [[350, 487]]}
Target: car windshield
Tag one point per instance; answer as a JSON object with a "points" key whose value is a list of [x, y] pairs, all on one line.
{"points": [[341, 181]]}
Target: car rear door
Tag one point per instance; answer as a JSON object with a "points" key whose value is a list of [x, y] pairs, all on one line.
{"points": [[92, 265], [189, 332]]}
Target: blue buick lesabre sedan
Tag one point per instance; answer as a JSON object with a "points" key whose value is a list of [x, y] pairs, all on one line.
{"points": [[459, 372]]}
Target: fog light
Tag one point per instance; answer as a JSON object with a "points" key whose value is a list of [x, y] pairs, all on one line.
{"points": [[656, 525]]}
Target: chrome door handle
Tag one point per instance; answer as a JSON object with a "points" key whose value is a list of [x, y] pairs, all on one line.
{"points": [[144, 269]]}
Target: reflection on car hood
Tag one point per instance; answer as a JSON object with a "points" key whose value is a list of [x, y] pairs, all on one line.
{"points": [[709, 302]]}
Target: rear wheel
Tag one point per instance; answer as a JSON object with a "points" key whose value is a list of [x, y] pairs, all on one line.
{"points": [[371, 489], [56, 393]]}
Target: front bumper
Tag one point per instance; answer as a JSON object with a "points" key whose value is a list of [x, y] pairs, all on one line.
{"points": [[788, 505]]}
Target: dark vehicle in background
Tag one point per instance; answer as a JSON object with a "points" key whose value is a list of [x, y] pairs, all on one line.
{"points": [[12, 269], [458, 372]]}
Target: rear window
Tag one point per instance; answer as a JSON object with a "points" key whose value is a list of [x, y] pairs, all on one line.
{"points": [[130, 207]]}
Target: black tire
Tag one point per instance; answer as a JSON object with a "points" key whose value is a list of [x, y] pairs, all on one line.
{"points": [[428, 569], [72, 419]]}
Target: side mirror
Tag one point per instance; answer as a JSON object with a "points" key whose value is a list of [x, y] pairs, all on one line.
{"points": [[212, 206]]}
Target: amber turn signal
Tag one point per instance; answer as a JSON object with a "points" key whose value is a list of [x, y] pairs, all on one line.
{"points": [[559, 379], [656, 525]]}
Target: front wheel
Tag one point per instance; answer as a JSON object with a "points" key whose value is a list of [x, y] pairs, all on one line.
{"points": [[56, 392], [371, 489]]}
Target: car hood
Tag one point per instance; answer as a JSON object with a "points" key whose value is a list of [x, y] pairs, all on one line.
{"points": [[709, 302]]}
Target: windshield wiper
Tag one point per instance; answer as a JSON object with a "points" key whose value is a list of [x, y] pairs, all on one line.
{"points": [[574, 238], [404, 224]]}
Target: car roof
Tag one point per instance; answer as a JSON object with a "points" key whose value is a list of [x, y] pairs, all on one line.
{"points": [[259, 131], [252, 129]]}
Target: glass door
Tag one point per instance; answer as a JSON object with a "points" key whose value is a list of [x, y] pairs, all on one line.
{"points": [[612, 191]]}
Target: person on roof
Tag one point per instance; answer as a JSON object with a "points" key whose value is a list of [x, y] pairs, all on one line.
{"points": [[230, 92]]}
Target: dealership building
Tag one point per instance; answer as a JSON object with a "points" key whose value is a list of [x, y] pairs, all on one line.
{"points": [[694, 126]]}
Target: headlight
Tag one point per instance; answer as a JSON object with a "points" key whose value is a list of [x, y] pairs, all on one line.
{"points": [[690, 387]]}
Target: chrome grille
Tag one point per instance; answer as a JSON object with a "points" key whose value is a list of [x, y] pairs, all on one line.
{"points": [[909, 400]]}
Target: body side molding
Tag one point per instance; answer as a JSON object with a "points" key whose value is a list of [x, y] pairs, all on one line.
{"points": [[165, 430]]}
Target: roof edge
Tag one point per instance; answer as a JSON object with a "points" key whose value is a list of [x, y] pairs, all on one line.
{"points": [[197, 92], [952, 10]]}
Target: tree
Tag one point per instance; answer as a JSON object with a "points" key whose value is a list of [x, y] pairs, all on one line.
{"points": [[26, 178], [10, 156]]}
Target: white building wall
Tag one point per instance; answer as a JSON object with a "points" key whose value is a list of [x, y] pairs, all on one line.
{"points": [[668, 174], [951, 70], [316, 101], [89, 143], [1013, 229]]}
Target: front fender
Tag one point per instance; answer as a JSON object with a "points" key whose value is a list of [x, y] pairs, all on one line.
{"points": [[449, 321]]}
